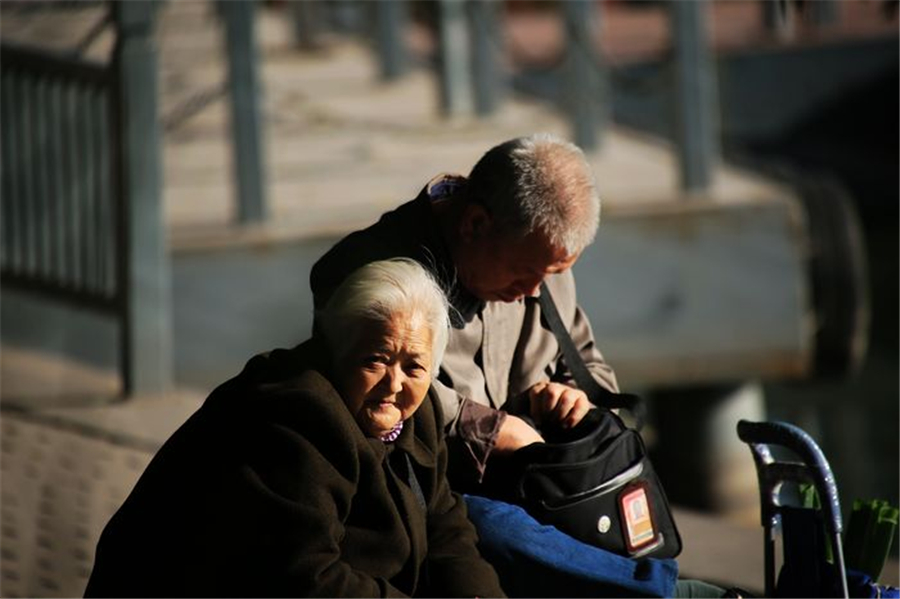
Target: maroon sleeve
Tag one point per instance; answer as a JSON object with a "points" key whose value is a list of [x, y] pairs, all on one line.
{"points": [[477, 428]]}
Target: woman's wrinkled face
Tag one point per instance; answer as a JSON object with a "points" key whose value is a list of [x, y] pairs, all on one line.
{"points": [[386, 375]]}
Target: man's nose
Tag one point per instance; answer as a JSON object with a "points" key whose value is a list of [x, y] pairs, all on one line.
{"points": [[530, 288]]}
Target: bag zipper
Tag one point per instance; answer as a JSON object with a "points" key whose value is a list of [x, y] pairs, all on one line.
{"points": [[616, 482]]}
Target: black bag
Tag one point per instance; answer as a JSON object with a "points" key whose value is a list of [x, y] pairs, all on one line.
{"points": [[595, 481], [597, 484]]}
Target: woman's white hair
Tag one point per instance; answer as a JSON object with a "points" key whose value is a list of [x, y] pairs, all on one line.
{"points": [[381, 291]]}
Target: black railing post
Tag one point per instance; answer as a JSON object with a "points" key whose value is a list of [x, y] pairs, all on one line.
{"points": [[390, 26], [309, 23], [778, 17], [696, 103], [485, 71], [248, 149], [144, 273], [585, 93], [454, 76], [824, 12]]}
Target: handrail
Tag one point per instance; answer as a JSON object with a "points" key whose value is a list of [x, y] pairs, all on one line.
{"points": [[61, 200], [48, 63]]}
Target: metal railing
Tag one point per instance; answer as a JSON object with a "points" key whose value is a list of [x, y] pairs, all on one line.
{"points": [[81, 205], [63, 235]]}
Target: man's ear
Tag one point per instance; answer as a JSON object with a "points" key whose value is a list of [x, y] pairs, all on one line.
{"points": [[475, 222]]}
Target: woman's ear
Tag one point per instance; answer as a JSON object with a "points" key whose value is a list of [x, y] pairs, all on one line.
{"points": [[475, 222]]}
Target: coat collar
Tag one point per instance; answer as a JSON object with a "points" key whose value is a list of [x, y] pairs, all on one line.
{"points": [[465, 305], [413, 445], [408, 442]]}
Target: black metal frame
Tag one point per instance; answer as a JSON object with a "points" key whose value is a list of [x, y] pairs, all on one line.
{"points": [[813, 469], [103, 290]]}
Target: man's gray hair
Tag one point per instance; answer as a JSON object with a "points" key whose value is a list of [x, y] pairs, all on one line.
{"points": [[539, 183], [381, 291]]}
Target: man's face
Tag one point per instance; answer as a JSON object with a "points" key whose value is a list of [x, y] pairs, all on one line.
{"points": [[503, 268]]}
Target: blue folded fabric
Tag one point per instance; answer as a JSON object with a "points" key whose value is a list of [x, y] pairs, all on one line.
{"points": [[861, 584], [534, 560]]}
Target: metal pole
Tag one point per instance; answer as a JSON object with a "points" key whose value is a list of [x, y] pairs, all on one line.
{"points": [[485, 73], [390, 21], [824, 12], [345, 16], [307, 17], [454, 77], [769, 555], [584, 90], [144, 268], [246, 92], [695, 90], [778, 17]]}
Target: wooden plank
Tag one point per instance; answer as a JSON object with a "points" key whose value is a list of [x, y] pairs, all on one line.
{"points": [[64, 292], [700, 296]]}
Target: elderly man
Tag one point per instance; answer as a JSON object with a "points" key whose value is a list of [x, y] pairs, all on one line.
{"points": [[522, 217]]}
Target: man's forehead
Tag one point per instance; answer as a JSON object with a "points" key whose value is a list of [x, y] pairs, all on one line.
{"points": [[536, 250]]}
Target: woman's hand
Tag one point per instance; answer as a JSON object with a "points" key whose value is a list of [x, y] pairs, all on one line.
{"points": [[558, 403]]}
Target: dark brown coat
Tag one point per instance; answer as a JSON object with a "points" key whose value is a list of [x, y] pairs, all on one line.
{"points": [[271, 489]]}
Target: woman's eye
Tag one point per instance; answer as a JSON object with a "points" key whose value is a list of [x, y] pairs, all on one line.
{"points": [[375, 359], [415, 369]]}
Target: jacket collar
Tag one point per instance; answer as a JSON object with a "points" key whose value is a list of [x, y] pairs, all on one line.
{"points": [[409, 442], [465, 305]]}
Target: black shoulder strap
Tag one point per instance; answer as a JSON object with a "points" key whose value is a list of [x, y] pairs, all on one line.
{"points": [[596, 393]]}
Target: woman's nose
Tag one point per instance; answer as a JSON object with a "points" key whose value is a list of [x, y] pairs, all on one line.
{"points": [[394, 378]]}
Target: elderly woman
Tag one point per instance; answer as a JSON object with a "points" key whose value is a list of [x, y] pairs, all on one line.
{"points": [[317, 471]]}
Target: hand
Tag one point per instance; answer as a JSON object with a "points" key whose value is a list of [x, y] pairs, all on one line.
{"points": [[514, 434], [558, 403]]}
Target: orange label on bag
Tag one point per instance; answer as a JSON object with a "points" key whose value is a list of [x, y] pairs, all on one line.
{"points": [[638, 519]]}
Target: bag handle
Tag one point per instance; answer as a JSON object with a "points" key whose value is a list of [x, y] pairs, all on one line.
{"points": [[597, 394]]}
